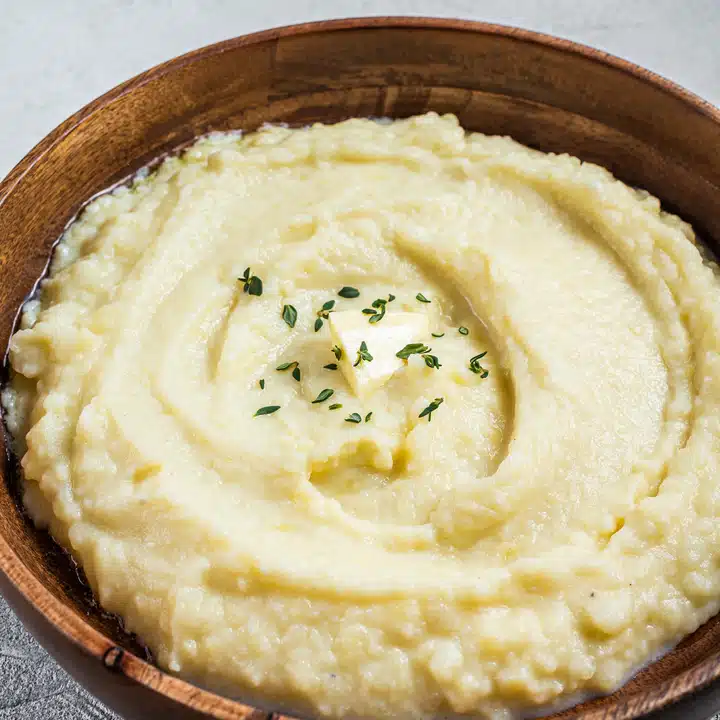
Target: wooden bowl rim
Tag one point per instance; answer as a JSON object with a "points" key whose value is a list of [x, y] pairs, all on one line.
{"points": [[70, 623]]}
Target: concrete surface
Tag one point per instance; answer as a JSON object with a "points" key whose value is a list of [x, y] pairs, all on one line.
{"points": [[57, 55]]}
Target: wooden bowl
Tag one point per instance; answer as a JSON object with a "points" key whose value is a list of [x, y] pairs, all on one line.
{"points": [[545, 92]]}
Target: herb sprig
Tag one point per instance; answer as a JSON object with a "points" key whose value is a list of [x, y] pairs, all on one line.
{"points": [[431, 408], [412, 349], [324, 313], [476, 367], [363, 354], [353, 418], [419, 349], [377, 311], [294, 366], [252, 284], [421, 298], [432, 361]]}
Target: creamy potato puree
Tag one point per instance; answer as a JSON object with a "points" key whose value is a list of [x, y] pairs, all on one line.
{"points": [[551, 527]]}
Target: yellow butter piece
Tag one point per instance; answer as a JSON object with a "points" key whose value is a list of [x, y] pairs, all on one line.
{"points": [[349, 329]]}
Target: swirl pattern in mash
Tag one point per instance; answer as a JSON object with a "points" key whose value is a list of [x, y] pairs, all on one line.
{"points": [[551, 529]]}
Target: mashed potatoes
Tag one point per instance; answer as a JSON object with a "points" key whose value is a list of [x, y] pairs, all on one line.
{"points": [[548, 526]]}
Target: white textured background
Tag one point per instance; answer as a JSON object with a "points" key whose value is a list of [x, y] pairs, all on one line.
{"points": [[57, 55]]}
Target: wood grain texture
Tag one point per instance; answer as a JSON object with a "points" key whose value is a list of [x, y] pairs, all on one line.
{"points": [[547, 93]]}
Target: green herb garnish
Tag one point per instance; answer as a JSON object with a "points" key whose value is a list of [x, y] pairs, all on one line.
{"points": [[324, 313], [289, 315], [412, 349], [335, 406], [267, 410], [431, 408], [349, 292], [295, 366], [422, 298], [337, 352], [476, 367], [262, 384], [432, 362], [419, 349], [330, 366], [252, 284], [353, 418], [463, 330], [363, 354], [437, 335], [368, 416], [323, 396], [377, 311]]}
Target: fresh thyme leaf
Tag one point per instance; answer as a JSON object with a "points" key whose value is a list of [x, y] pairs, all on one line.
{"points": [[377, 311], [422, 298], [432, 362], [267, 410], [289, 315], [368, 416], [262, 384], [324, 395], [353, 418], [431, 408], [412, 349], [337, 352], [330, 366], [476, 367], [437, 335], [349, 292], [252, 284], [295, 366], [335, 406], [463, 330], [255, 286], [363, 354], [419, 349], [324, 313]]}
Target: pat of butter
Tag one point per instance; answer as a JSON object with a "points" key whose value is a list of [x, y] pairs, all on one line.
{"points": [[349, 329]]}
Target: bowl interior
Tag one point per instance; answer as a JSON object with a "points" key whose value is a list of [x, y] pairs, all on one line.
{"points": [[544, 92]]}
